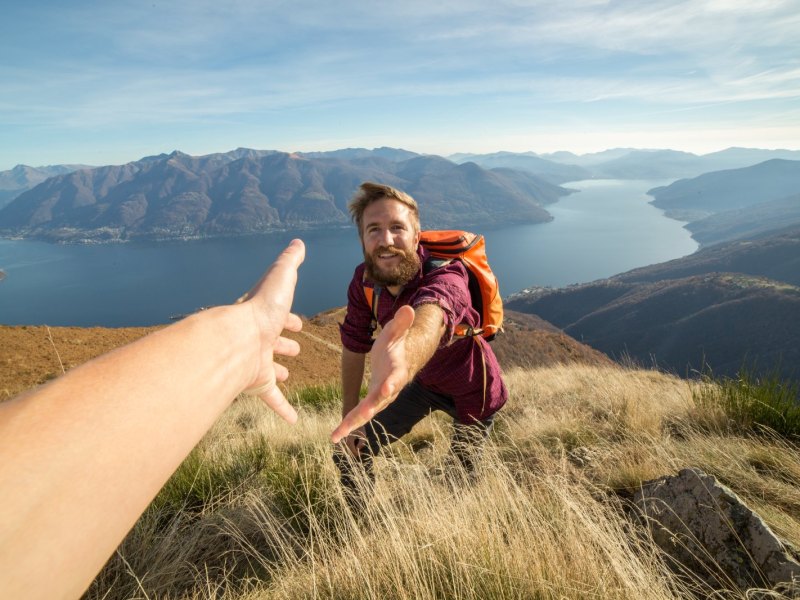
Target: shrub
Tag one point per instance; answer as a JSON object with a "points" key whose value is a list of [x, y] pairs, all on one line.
{"points": [[320, 397], [752, 402]]}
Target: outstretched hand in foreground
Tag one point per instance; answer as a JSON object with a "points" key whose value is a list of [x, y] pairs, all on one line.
{"points": [[389, 373], [81, 457], [269, 302]]}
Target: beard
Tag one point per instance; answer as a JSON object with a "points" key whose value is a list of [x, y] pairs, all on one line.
{"points": [[400, 274]]}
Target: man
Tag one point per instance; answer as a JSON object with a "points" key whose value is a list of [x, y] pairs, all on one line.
{"points": [[417, 364]]}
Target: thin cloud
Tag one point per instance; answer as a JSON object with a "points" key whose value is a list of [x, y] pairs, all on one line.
{"points": [[301, 65]]}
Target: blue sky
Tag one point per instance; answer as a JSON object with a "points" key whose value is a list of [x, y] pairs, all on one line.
{"points": [[109, 82]]}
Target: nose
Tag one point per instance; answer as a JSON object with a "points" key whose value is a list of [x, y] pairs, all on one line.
{"points": [[386, 237]]}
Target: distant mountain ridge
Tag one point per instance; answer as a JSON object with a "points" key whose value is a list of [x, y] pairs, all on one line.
{"points": [[248, 191], [735, 203], [743, 223], [552, 171], [731, 189], [625, 163], [22, 178], [726, 306], [393, 154]]}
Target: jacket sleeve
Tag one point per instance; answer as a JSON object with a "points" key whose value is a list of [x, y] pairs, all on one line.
{"points": [[448, 288]]}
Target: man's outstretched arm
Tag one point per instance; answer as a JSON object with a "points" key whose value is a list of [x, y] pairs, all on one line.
{"points": [[81, 457], [404, 346]]}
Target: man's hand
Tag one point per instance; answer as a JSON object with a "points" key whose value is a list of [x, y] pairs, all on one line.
{"points": [[270, 301], [390, 373], [355, 441]]}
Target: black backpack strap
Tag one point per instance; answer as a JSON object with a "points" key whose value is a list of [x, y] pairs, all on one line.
{"points": [[376, 294], [434, 263]]}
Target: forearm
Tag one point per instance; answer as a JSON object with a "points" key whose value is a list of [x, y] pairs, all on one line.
{"points": [[423, 337], [77, 443], [352, 378]]}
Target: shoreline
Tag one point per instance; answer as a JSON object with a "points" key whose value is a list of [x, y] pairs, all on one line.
{"points": [[92, 241]]}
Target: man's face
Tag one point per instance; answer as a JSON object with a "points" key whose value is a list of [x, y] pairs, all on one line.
{"points": [[390, 240]]}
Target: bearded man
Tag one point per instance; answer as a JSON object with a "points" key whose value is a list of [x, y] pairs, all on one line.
{"points": [[417, 365]]}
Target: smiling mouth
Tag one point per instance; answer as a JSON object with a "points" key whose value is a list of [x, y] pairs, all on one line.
{"points": [[388, 253]]}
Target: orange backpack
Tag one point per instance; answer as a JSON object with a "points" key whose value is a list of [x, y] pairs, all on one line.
{"points": [[445, 246]]}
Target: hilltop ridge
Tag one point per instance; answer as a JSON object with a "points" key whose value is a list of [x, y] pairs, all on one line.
{"points": [[37, 354]]}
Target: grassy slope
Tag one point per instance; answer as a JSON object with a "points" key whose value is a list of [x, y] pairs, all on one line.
{"points": [[256, 513]]}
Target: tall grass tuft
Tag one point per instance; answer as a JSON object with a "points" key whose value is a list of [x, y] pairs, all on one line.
{"points": [[751, 402], [256, 512], [320, 397]]}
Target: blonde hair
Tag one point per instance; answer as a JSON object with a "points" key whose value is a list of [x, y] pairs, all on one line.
{"points": [[369, 192]]}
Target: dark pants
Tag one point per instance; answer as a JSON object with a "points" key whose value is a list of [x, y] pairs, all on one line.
{"points": [[412, 405]]}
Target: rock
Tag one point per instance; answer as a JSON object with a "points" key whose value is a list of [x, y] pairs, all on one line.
{"points": [[707, 528]]}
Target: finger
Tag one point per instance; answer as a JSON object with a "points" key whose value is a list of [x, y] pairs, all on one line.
{"points": [[293, 323], [280, 279], [350, 422], [281, 372], [373, 403], [370, 406], [275, 399], [286, 347], [399, 325]]}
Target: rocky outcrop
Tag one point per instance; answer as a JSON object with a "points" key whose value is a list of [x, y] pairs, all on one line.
{"points": [[709, 531]]}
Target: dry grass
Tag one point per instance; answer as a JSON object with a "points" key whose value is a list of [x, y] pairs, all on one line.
{"points": [[256, 512]]}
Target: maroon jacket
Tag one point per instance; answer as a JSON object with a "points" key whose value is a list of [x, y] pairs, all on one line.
{"points": [[464, 369]]}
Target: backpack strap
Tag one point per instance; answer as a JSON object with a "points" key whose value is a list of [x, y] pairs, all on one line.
{"points": [[373, 294], [434, 263]]}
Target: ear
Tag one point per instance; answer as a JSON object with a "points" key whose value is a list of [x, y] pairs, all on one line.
{"points": [[416, 239]]}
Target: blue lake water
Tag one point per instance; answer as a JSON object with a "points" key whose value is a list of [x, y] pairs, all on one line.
{"points": [[606, 228]]}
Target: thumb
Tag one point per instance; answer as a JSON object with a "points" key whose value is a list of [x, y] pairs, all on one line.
{"points": [[398, 326]]}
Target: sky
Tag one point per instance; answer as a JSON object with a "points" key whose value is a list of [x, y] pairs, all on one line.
{"points": [[108, 82]]}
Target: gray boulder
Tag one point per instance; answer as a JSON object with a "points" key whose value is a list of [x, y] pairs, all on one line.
{"points": [[708, 530]]}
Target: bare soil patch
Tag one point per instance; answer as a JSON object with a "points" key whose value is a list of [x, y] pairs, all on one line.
{"points": [[32, 355]]}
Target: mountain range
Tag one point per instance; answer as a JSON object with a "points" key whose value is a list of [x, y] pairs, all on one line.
{"points": [[733, 303], [725, 307], [747, 222], [625, 163], [735, 203], [248, 191], [731, 189], [555, 167], [22, 178]]}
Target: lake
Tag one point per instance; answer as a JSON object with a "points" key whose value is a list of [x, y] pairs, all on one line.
{"points": [[606, 228]]}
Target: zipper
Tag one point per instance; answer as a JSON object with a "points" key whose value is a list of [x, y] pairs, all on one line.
{"points": [[447, 247]]}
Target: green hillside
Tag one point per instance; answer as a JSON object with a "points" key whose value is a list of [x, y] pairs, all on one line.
{"points": [[723, 307]]}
